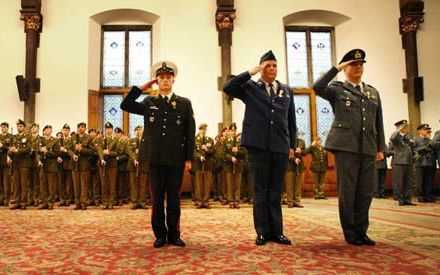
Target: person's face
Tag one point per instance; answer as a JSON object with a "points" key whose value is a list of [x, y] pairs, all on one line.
{"points": [[405, 129], [92, 134], [139, 132], [269, 73], [47, 132], [232, 132], [224, 133], [66, 132], [319, 142], [59, 135], [203, 131], [108, 132], [20, 128], [354, 70], [5, 129], [34, 130], [81, 130], [118, 135], [165, 81]]}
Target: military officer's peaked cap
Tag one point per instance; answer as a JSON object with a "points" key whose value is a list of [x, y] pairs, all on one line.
{"points": [[66, 126], [355, 54], [164, 67], [233, 126], [138, 127], [268, 56], [47, 126], [424, 126], [203, 125], [118, 130], [81, 124], [401, 122], [20, 121], [5, 124], [108, 125]]}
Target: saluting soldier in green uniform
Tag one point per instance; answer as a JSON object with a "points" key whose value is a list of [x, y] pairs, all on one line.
{"points": [[19, 152], [234, 156], [34, 176], [318, 167], [294, 175], [138, 174], [109, 167], [47, 156], [66, 181], [5, 164], [80, 152], [203, 165]]}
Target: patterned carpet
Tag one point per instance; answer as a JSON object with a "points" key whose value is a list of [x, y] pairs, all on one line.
{"points": [[219, 240]]}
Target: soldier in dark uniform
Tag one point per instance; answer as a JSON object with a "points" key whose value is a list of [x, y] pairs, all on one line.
{"points": [[435, 143], [220, 178], [269, 133], [247, 186], [203, 165], [123, 187], [94, 183], [357, 140], [66, 181], [139, 186], [425, 157], [107, 150], [5, 164], [19, 152], [168, 147], [318, 166], [381, 166], [234, 156], [80, 152], [47, 156], [294, 175], [401, 144], [34, 173]]}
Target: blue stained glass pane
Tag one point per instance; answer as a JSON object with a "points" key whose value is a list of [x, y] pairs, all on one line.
{"points": [[324, 115], [302, 109], [112, 112], [136, 120], [321, 53], [113, 63], [140, 57], [297, 59]]}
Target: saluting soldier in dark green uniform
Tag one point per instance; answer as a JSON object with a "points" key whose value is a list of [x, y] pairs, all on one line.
{"points": [[318, 166], [19, 152], [5, 164], [138, 174], [80, 152], [203, 165], [234, 156], [47, 156], [294, 175], [109, 170], [66, 181], [34, 176]]}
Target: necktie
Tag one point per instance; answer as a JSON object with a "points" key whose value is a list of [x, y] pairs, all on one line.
{"points": [[271, 91], [358, 87], [165, 98]]}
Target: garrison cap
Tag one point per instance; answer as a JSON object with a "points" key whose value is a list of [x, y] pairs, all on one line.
{"points": [[47, 126], [66, 126], [5, 124], [355, 54], [20, 121], [203, 125], [108, 125], [268, 56], [81, 124]]}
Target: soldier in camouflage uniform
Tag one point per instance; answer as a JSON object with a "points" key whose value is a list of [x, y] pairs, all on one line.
{"points": [[47, 156], [220, 176], [122, 185], [234, 156], [19, 152], [5, 164]]}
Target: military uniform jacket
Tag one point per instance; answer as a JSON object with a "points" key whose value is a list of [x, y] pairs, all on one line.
{"points": [[67, 144], [94, 158], [239, 155], [219, 148], [269, 123], [49, 159], [319, 159], [425, 155], [291, 164], [84, 156], [435, 143], [21, 159], [358, 125], [110, 144], [134, 146], [208, 164], [168, 138], [401, 148], [124, 155], [6, 140], [35, 147]]}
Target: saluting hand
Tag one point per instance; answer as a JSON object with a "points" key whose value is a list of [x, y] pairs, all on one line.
{"points": [[149, 84], [8, 160], [344, 64], [258, 68], [136, 163], [291, 153]]}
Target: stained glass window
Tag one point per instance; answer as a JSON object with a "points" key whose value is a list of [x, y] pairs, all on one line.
{"points": [[324, 117], [136, 120], [139, 57], [113, 65], [297, 59], [302, 110], [321, 45], [111, 111]]}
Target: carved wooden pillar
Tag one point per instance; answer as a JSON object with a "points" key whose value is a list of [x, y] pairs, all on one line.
{"points": [[33, 24], [411, 16], [224, 18]]}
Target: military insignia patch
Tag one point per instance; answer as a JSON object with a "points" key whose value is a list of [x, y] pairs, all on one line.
{"points": [[151, 118], [348, 103], [174, 104], [178, 122]]}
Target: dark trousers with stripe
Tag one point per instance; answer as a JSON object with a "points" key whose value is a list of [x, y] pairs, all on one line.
{"points": [[166, 180]]}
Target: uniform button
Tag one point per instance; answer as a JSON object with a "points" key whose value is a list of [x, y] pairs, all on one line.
{"points": [[272, 110], [164, 119], [362, 101], [364, 118], [363, 128], [271, 122], [166, 112], [164, 126], [363, 109], [340, 125], [163, 134]]}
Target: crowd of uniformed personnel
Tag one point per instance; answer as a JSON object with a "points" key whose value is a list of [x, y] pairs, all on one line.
{"points": [[90, 167]]}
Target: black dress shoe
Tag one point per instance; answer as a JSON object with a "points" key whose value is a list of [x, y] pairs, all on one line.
{"points": [[281, 239], [160, 242], [366, 240], [176, 242], [409, 203], [401, 203], [261, 240], [354, 241]]}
